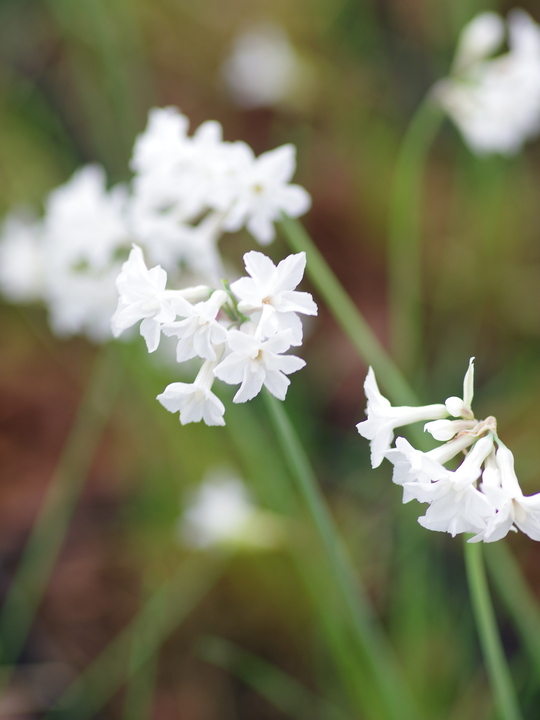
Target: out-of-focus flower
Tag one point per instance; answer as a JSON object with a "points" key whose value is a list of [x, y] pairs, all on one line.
{"points": [[264, 69], [481, 496], [221, 513], [21, 258], [495, 102], [263, 193]]}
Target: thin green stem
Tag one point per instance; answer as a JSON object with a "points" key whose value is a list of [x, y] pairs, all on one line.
{"points": [[405, 247], [369, 637], [162, 614], [498, 672], [28, 586], [282, 690], [347, 314], [353, 324]]}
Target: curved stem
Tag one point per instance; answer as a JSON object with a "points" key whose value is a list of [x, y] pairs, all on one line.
{"points": [[43, 546], [499, 674], [405, 248], [347, 314], [370, 639]]}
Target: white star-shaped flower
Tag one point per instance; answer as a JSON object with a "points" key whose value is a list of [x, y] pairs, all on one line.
{"points": [[263, 192], [254, 362], [271, 292]]}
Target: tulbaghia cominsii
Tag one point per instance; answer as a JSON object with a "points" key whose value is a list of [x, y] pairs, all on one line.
{"points": [[481, 495], [186, 192]]}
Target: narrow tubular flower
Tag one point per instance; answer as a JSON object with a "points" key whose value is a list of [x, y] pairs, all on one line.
{"points": [[383, 419], [481, 495]]}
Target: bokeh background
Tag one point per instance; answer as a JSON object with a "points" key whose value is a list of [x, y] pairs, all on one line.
{"points": [[76, 82]]}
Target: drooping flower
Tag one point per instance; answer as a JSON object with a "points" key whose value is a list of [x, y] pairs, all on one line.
{"points": [[195, 401], [383, 419], [513, 507]]}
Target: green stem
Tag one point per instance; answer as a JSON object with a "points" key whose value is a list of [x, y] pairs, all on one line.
{"points": [[405, 247], [28, 586], [280, 689], [498, 672], [162, 614], [370, 639], [353, 324], [347, 315]]}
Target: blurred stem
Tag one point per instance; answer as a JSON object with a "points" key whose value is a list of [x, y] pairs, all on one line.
{"points": [[279, 688], [368, 636], [405, 247], [517, 595], [498, 672], [161, 615], [347, 314], [47, 536]]}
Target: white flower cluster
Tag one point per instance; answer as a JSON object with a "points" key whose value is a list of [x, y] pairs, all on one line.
{"points": [[482, 495], [185, 193], [495, 101], [240, 332]]}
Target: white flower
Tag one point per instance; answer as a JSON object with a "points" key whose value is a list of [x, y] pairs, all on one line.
{"points": [[143, 296], [270, 290], [195, 401], [262, 192], [264, 68], [85, 223], [82, 302], [254, 362], [21, 258], [513, 508], [200, 332], [456, 505], [495, 102], [221, 513], [411, 465], [382, 419]]}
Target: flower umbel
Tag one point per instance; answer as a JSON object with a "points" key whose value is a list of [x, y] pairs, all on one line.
{"points": [[482, 495]]}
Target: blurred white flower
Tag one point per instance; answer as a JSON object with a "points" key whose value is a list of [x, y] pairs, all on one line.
{"points": [[84, 222], [495, 102], [271, 292], [21, 258], [221, 513], [263, 193], [263, 69]]}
